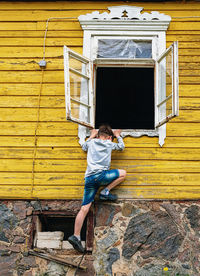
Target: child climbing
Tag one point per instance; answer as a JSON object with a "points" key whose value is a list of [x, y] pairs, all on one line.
{"points": [[99, 147]]}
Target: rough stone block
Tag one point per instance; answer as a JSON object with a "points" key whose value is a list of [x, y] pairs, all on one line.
{"points": [[54, 244], [56, 235]]}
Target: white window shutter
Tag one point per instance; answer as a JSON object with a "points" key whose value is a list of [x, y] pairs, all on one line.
{"points": [[167, 105], [78, 88]]}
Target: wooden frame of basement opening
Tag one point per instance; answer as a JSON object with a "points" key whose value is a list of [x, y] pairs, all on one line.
{"points": [[89, 225]]}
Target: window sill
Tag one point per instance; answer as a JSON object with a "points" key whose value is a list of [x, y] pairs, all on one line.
{"points": [[139, 132]]}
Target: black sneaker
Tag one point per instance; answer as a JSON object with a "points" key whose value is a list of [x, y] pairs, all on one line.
{"points": [[76, 243], [108, 197]]}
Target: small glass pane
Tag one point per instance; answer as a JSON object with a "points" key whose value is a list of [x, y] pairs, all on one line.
{"points": [[169, 82], [78, 88], [79, 111], [77, 65], [124, 48], [166, 75]]}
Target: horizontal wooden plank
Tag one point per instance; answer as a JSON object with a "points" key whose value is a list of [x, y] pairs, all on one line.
{"points": [[188, 38], [37, 33], [194, 25], [67, 25], [12, 26], [34, 52], [188, 116], [73, 24], [57, 64], [159, 192], [183, 45], [67, 128], [189, 103], [7, 89], [96, 5], [20, 41], [67, 141], [131, 166], [74, 41], [16, 178], [42, 15], [58, 77], [145, 166], [59, 115], [185, 68], [73, 179], [59, 102], [57, 51], [75, 192], [30, 114], [173, 142], [184, 35], [14, 191], [34, 89], [189, 90], [140, 192], [128, 154], [189, 58], [28, 128], [135, 179], [183, 129]]}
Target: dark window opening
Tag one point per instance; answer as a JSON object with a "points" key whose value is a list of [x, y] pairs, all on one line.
{"points": [[64, 224], [125, 97]]}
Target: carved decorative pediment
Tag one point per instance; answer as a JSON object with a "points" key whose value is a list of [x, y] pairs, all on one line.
{"points": [[125, 13]]}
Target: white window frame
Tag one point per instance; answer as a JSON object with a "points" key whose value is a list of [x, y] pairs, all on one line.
{"points": [[161, 86], [88, 91], [145, 26]]}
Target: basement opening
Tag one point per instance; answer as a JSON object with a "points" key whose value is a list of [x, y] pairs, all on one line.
{"points": [[51, 229]]}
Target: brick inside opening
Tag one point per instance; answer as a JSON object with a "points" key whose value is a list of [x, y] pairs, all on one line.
{"points": [[61, 223]]}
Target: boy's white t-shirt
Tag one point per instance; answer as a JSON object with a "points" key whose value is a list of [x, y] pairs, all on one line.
{"points": [[99, 154]]}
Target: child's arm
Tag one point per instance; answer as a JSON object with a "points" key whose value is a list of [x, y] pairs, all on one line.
{"points": [[93, 134], [120, 145]]}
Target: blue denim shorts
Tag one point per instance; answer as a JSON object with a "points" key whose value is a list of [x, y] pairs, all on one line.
{"points": [[93, 182]]}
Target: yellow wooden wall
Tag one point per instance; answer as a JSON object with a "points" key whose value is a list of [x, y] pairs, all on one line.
{"points": [[153, 172]]}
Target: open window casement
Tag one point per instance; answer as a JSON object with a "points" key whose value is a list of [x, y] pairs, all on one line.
{"points": [[167, 85], [78, 88]]}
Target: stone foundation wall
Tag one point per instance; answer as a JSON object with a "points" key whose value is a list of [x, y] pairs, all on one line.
{"points": [[144, 238], [141, 238]]}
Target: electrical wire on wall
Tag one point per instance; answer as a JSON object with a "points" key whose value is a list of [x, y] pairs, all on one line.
{"points": [[35, 133], [42, 64]]}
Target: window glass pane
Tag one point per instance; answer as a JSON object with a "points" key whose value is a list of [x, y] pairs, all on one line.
{"points": [[166, 75], [77, 65], [124, 48], [78, 86], [169, 83], [79, 111], [79, 97]]}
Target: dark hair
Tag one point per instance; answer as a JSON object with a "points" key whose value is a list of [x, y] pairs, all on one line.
{"points": [[105, 130]]}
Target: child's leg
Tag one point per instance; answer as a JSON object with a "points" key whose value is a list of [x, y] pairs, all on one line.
{"points": [[90, 191], [122, 175], [110, 175], [80, 219]]}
